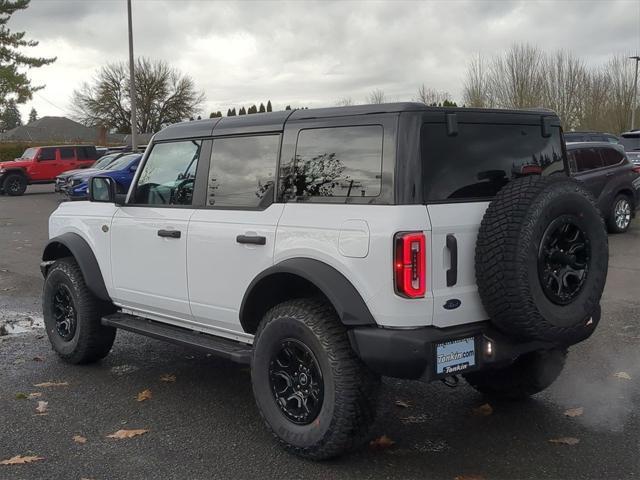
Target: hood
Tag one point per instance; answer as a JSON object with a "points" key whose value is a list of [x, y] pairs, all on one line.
{"points": [[78, 171], [15, 164]]}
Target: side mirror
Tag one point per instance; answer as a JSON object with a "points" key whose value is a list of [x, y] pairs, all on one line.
{"points": [[102, 189]]}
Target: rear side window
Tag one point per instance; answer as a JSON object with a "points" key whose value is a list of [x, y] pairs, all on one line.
{"points": [[587, 159], [86, 153], [482, 158], [47, 154], [611, 157], [242, 172], [336, 162], [66, 153]]}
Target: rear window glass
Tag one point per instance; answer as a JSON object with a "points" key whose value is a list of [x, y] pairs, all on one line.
{"points": [[478, 161], [611, 157], [587, 159], [337, 162]]}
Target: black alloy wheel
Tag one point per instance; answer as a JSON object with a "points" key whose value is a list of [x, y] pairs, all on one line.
{"points": [[64, 312], [296, 381], [563, 260]]}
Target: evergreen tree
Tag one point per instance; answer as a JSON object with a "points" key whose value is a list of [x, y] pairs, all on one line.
{"points": [[229, 113], [269, 106], [33, 115], [199, 117], [252, 109], [233, 112], [10, 117], [14, 84], [262, 109], [242, 111], [219, 114], [212, 115], [288, 107]]}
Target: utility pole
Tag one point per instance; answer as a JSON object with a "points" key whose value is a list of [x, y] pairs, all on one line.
{"points": [[132, 85], [634, 100]]}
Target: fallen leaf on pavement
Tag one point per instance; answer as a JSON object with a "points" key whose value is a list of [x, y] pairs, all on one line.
{"points": [[127, 433], [35, 395], [167, 377], [42, 407], [144, 395], [381, 443], [51, 384], [565, 440], [574, 412], [469, 477], [20, 460], [79, 439], [483, 410], [402, 403], [21, 396], [622, 375]]}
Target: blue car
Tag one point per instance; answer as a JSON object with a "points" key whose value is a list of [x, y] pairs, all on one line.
{"points": [[122, 171]]}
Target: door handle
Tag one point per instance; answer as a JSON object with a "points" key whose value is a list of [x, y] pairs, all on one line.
{"points": [[452, 273], [251, 239], [169, 233]]}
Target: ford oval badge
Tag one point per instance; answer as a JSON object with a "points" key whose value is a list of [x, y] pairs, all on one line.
{"points": [[452, 304]]}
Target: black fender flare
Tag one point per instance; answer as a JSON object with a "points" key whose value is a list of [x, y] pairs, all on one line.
{"points": [[346, 300], [58, 247]]}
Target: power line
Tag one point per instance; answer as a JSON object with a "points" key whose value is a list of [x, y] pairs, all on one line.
{"points": [[41, 97]]}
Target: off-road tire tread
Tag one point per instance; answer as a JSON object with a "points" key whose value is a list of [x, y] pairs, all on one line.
{"points": [[356, 387], [499, 259], [95, 340], [6, 182]]}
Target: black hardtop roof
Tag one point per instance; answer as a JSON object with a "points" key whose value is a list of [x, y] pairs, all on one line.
{"points": [[274, 121]]}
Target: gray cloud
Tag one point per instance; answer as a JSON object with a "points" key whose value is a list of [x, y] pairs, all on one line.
{"points": [[313, 53]]}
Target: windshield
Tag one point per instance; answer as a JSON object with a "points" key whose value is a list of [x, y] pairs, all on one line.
{"points": [[104, 162], [630, 143], [482, 158], [122, 162], [29, 153]]}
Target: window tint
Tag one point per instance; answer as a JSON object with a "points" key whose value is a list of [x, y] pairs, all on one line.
{"points": [[610, 157], [588, 159], [482, 158], [66, 153], [336, 162], [47, 154], [86, 153], [168, 175], [242, 172]]}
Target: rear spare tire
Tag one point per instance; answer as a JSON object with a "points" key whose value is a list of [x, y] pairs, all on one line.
{"points": [[542, 259]]}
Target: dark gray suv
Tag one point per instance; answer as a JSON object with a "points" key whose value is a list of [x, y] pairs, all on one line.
{"points": [[614, 181]]}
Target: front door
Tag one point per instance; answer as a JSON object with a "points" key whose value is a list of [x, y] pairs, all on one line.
{"points": [[232, 239], [149, 233]]}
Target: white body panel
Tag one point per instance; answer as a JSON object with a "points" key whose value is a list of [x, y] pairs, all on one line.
{"points": [[149, 272], [219, 268], [319, 231], [463, 221]]}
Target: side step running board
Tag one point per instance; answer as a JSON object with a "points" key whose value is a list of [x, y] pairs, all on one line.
{"points": [[230, 349]]}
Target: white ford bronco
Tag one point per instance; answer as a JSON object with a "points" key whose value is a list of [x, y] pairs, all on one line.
{"points": [[327, 248]]}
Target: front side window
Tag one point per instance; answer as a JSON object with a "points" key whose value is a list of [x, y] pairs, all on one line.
{"points": [[336, 162], [66, 153], [168, 176], [242, 172], [47, 154], [611, 157]]}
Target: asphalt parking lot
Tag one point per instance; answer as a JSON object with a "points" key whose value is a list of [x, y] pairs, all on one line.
{"points": [[204, 424]]}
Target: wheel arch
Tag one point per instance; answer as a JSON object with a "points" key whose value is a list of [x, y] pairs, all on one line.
{"points": [[73, 245], [299, 277]]}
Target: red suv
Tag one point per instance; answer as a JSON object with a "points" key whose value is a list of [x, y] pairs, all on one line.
{"points": [[43, 165]]}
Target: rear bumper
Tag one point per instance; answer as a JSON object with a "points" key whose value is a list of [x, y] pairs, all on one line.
{"points": [[411, 353]]}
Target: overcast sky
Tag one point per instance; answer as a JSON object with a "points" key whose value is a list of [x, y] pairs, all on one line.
{"points": [[311, 53]]}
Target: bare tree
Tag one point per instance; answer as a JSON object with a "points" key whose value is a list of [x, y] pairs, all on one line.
{"points": [[163, 96], [345, 102], [432, 97], [620, 102], [476, 85], [565, 86], [377, 96], [516, 77]]}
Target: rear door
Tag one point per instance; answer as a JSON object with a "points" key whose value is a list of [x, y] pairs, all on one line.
{"points": [[586, 165], [232, 239], [462, 172], [67, 160]]}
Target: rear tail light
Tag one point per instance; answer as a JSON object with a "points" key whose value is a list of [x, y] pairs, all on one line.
{"points": [[410, 264]]}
